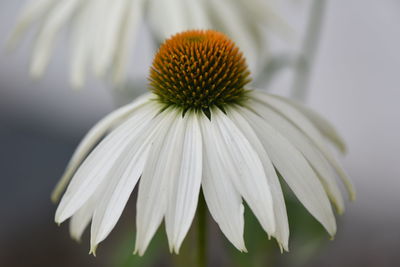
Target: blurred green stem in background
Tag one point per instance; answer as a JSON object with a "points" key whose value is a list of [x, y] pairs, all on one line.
{"points": [[304, 64], [202, 232], [300, 63]]}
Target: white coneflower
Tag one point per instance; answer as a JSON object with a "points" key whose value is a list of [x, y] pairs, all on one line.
{"points": [[201, 128], [102, 32]]}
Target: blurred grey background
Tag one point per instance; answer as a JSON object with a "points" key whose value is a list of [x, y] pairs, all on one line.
{"points": [[355, 84]]}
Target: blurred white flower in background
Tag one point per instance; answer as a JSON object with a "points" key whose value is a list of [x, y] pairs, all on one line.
{"points": [[103, 33]]}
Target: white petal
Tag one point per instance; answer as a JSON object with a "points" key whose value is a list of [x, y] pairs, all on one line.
{"points": [[92, 138], [307, 148], [295, 170], [223, 200], [43, 46], [99, 14], [80, 45], [129, 30], [309, 129], [281, 220], [161, 167], [324, 126], [109, 34], [249, 176], [122, 178], [96, 166], [81, 219], [185, 187], [32, 11]]}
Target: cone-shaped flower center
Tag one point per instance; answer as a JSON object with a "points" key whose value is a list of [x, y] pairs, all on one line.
{"points": [[199, 69]]}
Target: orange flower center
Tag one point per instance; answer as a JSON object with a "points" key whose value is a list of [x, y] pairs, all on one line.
{"points": [[199, 69]]}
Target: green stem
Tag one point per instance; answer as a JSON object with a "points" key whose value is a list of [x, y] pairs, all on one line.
{"points": [[202, 232], [309, 49]]}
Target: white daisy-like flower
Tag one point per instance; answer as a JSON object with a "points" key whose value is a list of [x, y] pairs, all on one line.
{"points": [[201, 129], [103, 32]]}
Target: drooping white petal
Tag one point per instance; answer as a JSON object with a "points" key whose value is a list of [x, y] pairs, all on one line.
{"points": [[249, 175], [96, 166], [281, 220], [92, 138], [222, 198], [122, 178], [99, 13], [324, 126], [108, 36], [296, 171], [80, 45], [161, 167], [59, 15], [310, 130], [32, 11], [81, 219], [307, 148], [185, 187], [129, 30]]}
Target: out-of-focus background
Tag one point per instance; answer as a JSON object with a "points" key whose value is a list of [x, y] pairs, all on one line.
{"points": [[355, 84]]}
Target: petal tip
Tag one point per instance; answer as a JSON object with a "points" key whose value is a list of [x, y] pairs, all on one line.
{"points": [[59, 217], [54, 197], [58, 220], [138, 252], [340, 211], [76, 238], [332, 234], [176, 250], [93, 250]]}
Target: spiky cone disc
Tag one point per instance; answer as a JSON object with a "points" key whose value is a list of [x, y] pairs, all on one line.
{"points": [[199, 69]]}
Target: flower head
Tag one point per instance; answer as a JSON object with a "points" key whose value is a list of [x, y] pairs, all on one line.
{"points": [[103, 33], [193, 133]]}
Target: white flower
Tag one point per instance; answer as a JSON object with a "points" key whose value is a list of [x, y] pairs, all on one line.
{"points": [[104, 32], [200, 128]]}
